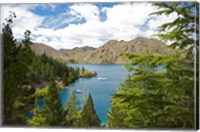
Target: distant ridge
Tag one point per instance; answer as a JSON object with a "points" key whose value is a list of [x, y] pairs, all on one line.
{"points": [[40, 48], [109, 53]]}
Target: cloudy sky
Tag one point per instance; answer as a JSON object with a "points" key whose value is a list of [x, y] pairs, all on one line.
{"points": [[75, 25]]}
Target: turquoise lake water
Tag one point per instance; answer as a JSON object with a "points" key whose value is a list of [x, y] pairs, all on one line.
{"points": [[101, 90]]}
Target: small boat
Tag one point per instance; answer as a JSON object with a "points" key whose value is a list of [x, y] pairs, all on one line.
{"points": [[78, 91], [101, 78]]}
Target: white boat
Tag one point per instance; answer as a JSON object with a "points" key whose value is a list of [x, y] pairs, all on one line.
{"points": [[78, 91], [101, 78]]}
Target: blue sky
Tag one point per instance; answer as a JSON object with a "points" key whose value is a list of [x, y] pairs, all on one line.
{"points": [[84, 24], [56, 11]]}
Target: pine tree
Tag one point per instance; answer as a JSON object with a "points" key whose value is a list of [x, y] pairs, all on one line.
{"points": [[162, 99], [89, 117], [17, 95], [183, 33], [10, 83], [53, 106], [73, 114], [155, 99]]}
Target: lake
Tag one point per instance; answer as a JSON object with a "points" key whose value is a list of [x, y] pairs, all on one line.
{"points": [[101, 90]]}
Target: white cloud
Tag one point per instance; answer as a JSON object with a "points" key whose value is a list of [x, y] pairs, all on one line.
{"points": [[159, 20], [122, 23], [132, 14], [88, 11], [25, 18]]}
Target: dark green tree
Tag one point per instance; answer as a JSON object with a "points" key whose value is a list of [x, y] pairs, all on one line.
{"points": [[10, 83], [17, 95], [82, 70], [163, 99], [183, 33], [23, 71], [153, 98], [89, 117], [53, 107], [73, 114]]}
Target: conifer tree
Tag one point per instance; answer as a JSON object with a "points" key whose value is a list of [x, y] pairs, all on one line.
{"points": [[155, 99], [162, 99], [16, 94], [10, 83], [53, 106], [183, 33], [89, 117], [73, 114]]}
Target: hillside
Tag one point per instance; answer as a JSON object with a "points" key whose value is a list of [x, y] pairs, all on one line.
{"points": [[106, 54], [78, 55], [40, 48], [110, 52]]}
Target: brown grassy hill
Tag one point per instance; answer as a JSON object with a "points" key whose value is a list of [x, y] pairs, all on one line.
{"points": [[110, 52], [40, 48], [78, 55]]}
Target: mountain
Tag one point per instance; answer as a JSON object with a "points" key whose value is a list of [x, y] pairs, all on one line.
{"points": [[110, 52], [40, 48], [78, 55], [107, 53]]}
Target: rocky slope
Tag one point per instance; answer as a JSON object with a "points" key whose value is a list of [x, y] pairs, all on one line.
{"points": [[108, 53]]}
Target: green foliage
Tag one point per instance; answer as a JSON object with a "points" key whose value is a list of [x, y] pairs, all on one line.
{"points": [[53, 107], [39, 119], [39, 93], [155, 99], [25, 74], [44, 67], [72, 100], [87, 73], [162, 99], [182, 31], [116, 117], [73, 114], [89, 117], [16, 94]]}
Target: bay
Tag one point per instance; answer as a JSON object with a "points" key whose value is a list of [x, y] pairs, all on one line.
{"points": [[101, 90]]}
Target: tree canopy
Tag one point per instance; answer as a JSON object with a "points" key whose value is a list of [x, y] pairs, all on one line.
{"points": [[154, 97], [29, 77], [160, 94], [183, 31], [89, 117]]}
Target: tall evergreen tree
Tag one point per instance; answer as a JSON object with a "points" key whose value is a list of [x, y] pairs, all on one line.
{"points": [[73, 114], [17, 95], [89, 117], [183, 33], [10, 83], [53, 107], [163, 99], [152, 98]]}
